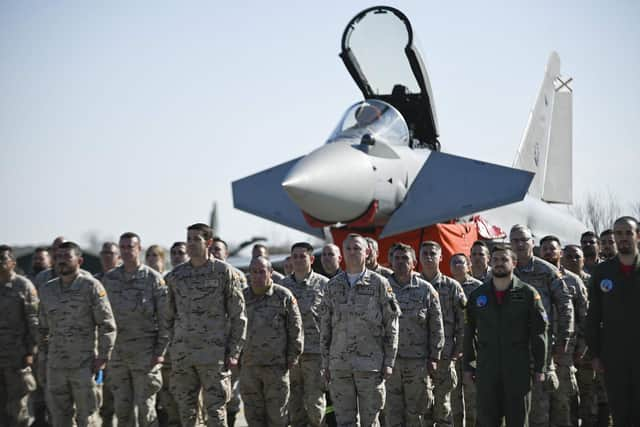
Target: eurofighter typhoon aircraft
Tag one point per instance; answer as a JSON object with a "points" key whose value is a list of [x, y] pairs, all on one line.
{"points": [[382, 166]]}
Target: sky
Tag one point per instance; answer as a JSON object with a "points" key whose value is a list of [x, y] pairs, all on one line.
{"points": [[136, 116]]}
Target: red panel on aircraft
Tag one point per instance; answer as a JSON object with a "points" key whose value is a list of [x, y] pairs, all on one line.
{"points": [[453, 238]]}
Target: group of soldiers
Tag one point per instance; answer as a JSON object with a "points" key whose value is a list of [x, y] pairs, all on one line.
{"points": [[512, 338]]}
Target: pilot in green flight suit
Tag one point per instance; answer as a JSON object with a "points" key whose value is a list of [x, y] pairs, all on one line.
{"points": [[506, 326]]}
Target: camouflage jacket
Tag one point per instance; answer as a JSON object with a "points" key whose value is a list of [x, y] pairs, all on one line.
{"points": [[421, 332], [140, 306], [18, 321], [201, 302], [309, 295], [69, 317], [452, 303], [274, 329], [469, 285], [359, 323], [556, 298], [580, 300]]}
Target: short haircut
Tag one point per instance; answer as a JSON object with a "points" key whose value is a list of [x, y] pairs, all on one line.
{"points": [[262, 260], [431, 243], [207, 232], [480, 243], [505, 248], [589, 235], [465, 256], [627, 218], [176, 244], [356, 236], [261, 246], [110, 245], [9, 249], [550, 238], [398, 246], [72, 246], [130, 235], [304, 245], [520, 227], [572, 246], [41, 249], [218, 239], [606, 232], [155, 248], [372, 243]]}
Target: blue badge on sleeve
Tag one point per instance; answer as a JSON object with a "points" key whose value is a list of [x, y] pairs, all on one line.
{"points": [[481, 301], [606, 285]]}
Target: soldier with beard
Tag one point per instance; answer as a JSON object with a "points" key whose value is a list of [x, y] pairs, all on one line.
{"points": [[506, 330], [612, 333]]}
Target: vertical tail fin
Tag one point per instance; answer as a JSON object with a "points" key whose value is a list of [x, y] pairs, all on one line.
{"points": [[546, 144]]}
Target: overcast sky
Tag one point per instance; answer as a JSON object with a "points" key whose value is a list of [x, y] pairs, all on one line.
{"points": [[119, 115]]}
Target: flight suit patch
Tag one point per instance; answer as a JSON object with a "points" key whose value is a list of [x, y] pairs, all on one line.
{"points": [[481, 301], [606, 285]]}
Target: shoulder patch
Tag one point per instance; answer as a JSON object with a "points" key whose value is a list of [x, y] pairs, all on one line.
{"points": [[481, 301], [294, 301], [606, 285], [102, 292], [536, 296]]}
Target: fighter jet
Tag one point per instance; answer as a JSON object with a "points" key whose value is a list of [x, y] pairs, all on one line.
{"points": [[382, 168]]}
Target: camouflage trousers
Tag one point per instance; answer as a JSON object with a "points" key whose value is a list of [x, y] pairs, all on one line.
{"points": [[444, 381], [588, 409], [234, 404], [541, 393], [357, 394], [15, 385], [169, 408], [266, 394], [186, 383], [107, 410], [307, 403], [407, 393], [463, 400], [69, 388], [134, 390], [564, 397]]}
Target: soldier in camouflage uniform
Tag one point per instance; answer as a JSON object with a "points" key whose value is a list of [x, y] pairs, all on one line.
{"points": [[138, 296], [75, 320], [261, 250], [567, 393], [452, 303], [274, 343], [331, 259], [463, 399], [307, 403], [480, 260], [593, 397], [220, 250], [40, 261], [358, 337], [168, 415], [18, 338], [109, 259], [546, 279], [372, 259], [421, 338], [203, 296]]}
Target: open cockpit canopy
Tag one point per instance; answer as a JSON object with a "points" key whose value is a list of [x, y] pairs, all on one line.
{"points": [[379, 52]]}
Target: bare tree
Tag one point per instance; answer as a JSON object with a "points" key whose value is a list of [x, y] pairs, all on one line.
{"points": [[598, 211]]}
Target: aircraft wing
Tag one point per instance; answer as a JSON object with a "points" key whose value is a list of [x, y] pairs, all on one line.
{"points": [[262, 194], [450, 187]]}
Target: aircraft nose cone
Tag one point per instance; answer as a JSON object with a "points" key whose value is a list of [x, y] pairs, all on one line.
{"points": [[334, 183]]}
